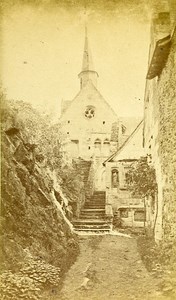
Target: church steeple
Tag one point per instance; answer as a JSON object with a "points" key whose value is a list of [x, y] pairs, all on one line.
{"points": [[87, 73]]}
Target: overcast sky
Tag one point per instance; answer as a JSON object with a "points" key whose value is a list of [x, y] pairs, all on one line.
{"points": [[43, 49]]}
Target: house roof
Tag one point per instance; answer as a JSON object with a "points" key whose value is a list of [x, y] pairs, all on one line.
{"points": [[130, 149], [159, 57]]}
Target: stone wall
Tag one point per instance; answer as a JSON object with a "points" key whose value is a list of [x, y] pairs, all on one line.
{"points": [[166, 98], [160, 142]]}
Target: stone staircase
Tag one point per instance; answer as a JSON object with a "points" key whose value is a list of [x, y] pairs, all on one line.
{"points": [[92, 217]]}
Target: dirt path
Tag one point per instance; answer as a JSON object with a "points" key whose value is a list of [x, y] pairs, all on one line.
{"points": [[109, 267]]}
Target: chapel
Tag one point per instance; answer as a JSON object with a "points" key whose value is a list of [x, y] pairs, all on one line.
{"points": [[90, 126]]}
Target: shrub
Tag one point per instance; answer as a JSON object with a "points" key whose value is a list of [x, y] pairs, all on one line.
{"points": [[29, 281]]}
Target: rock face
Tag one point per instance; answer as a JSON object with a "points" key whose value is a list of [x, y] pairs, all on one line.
{"points": [[32, 221]]}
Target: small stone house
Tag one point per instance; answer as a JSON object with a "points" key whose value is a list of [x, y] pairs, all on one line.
{"points": [[119, 199]]}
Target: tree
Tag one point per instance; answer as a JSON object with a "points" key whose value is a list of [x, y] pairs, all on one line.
{"points": [[141, 178]]}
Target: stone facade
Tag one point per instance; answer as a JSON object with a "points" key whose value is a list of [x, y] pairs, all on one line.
{"points": [[88, 135], [160, 121]]}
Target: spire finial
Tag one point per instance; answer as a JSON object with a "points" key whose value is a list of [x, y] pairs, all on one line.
{"points": [[85, 29]]}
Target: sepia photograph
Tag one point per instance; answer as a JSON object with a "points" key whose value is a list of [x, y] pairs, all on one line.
{"points": [[88, 149]]}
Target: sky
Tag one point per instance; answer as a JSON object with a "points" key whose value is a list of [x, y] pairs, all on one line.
{"points": [[43, 47]]}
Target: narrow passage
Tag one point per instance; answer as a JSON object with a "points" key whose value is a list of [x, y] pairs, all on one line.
{"points": [[109, 267]]}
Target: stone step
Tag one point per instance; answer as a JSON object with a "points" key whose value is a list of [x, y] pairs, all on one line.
{"points": [[88, 227], [86, 216], [98, 214], [99, 192], [97, 200], [92, 214], [92, 230], [94, 207], [96, 210], [89, 217], [93, 203], [90, 221], [101, 206]]}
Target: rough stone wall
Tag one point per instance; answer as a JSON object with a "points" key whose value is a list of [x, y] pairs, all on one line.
{"points": [[166, 99], [160, 142]]}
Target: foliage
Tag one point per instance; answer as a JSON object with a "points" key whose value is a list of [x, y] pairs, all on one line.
{"points": [[141, 178], [39, 129], [27, 283], [117, 222], [18, 286]]}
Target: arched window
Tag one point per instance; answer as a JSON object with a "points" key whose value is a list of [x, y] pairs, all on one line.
{"points": [[106, 142], [106, 145], [97, 145], [115, 178]]}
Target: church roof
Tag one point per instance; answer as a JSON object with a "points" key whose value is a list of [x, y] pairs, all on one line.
{"points": [[131, 149], [89, 86]]}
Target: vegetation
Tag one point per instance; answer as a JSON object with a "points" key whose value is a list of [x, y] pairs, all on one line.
{"points": [[29, 281], [141, 178], [30, 219]]}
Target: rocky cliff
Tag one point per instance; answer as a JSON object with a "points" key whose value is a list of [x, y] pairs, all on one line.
{"points": [[38, 243]]}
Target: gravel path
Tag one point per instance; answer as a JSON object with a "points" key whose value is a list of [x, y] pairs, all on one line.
{"points": [[109, 267]]}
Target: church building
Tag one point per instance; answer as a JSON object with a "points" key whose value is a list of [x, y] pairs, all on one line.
{"points": [[90, 126]]}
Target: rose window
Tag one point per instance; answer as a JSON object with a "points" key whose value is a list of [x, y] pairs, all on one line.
{"points": [[89, 112]]}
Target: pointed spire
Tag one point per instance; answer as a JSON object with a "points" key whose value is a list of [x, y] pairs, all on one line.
{"points": [[87, 64], [87, 73]]}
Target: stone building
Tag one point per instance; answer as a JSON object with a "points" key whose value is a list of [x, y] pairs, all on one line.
{"points": [[160, 118], [91, 128], [119, 199]]}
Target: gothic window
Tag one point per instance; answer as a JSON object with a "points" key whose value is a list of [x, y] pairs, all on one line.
{"points": [[89, 112], [106, 142], [97, 143], [115, 178], [106, 145]]}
